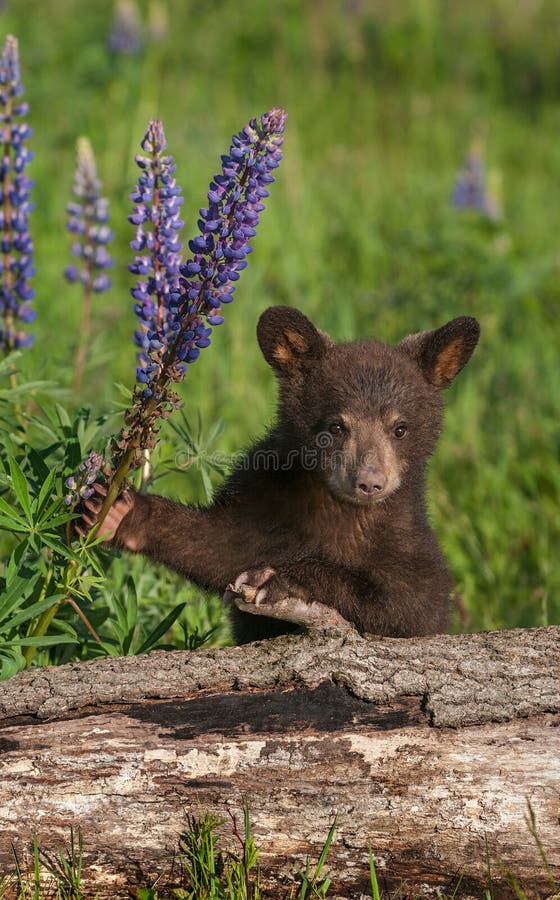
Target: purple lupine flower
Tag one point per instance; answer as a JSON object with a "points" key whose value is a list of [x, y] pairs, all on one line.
{"points": [[158, 257], [16, 258], [173, 335], [81, 485], [470, 190], [175, 312], [126, 36], [88, 223], [229, 222]]}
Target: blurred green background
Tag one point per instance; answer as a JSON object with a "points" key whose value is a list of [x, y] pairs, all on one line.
{"points": [[384, 100]]}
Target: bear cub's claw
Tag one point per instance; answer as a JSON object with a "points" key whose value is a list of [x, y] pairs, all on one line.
{"points": [[253, 585], [256, 588]]}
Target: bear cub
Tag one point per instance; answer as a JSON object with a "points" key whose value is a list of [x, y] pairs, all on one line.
{"points": [[328, 508]]}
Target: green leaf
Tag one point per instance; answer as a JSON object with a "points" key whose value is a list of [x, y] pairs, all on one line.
{"points": [[47, 640], [7, 364], [12, 661], [20, 487], [375, 893], [45, 492], [28, 387], [35, 610], [215, 432], [15, 561], [123, 390], [13, 525], [90, 434], [206, 481], [53, 508], [111, 648], [38, 465], [63, 416], [49, 433], [54, 542], [163, 626], [55, 521], [19, 590], [11, 513], [131, 608], [9, 445], [126, 611], [67, 628]]}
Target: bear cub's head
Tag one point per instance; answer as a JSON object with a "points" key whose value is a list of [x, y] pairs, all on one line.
{"points": [[363, 415]]}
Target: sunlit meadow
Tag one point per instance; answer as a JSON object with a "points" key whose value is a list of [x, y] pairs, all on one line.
{"points": [[419, 182]]}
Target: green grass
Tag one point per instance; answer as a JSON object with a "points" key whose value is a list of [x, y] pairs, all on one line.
{"points": [[383, 101], [208, 870]]}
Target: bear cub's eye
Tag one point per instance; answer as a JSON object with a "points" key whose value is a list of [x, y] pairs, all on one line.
{"points": [[400, 430], [336, 428]]}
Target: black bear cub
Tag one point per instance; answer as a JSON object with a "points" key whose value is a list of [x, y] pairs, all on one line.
{"points": [[328, 508]]}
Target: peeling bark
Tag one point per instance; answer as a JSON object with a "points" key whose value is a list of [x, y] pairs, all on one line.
{"points": [[423, 748]]}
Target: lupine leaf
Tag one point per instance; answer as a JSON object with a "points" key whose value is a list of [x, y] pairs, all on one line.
{"points": [[7, 364], [16, 560], [55, 521], [20, 590], [35, 609], [47, 640], [64, 550], [26, 387], [63, 417], [44, 493], [40, 469], [11, 525], [20, 487], [12, 515]]}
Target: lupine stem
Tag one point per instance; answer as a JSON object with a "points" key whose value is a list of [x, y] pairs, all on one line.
{"points": [[81, 614], [114, 487], [30, 651], [40, 629], [81, 352]]}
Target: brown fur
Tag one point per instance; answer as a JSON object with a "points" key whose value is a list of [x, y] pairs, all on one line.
{"points": [[332, 499]]}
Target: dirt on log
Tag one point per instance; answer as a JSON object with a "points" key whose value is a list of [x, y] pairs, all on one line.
{"points": [[429, 750]]}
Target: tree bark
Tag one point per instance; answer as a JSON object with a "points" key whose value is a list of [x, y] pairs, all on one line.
{"points": [[428, 749]]}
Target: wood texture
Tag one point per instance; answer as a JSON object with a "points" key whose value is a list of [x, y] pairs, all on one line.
{"points": [[427, 749]]}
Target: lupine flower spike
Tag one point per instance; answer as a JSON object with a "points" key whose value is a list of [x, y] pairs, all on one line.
{"points": [[229, 222], [80, 486], [156, 216], [88, 218], [16, 258], [126, 36], [471, 190], [178, 306], [157, 220]]}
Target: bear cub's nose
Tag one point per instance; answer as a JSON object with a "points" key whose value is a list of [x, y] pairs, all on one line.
{"points": [[370, 481]]}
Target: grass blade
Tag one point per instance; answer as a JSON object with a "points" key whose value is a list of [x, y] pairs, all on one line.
{"points": [[373, 876]]}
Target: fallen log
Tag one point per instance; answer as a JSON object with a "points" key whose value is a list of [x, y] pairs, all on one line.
{"points": [[430, 750]]}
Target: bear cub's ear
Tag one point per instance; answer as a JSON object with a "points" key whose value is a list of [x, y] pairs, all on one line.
{"points": [[442, 353], [288, 340]]}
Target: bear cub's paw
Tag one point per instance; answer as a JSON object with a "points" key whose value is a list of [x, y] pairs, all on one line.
{"points": [[264, 592], [259, 588]]}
